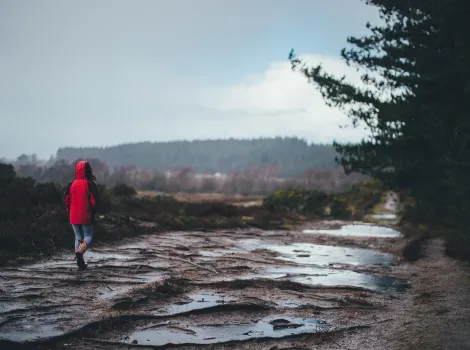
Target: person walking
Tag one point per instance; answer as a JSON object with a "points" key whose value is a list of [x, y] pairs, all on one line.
{"points": [[81, 198]]}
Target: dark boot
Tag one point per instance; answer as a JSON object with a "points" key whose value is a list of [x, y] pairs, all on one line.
{"points": [[79, 255]]}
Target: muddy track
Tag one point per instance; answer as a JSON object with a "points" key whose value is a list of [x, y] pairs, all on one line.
{"points": [[195, 289]]}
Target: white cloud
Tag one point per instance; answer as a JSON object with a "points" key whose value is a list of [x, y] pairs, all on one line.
{"points": [[282, 102]]}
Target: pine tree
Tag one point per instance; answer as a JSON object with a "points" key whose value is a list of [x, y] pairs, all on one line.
{"points": [[415, 103]]}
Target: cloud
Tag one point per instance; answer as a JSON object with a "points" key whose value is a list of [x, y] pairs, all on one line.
{"points": [[282, 102]]}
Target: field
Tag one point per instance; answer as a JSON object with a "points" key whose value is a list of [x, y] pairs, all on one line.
{"points": [[236, 199]]}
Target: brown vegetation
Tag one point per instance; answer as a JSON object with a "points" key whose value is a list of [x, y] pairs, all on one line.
{"points": [[257, 180]]}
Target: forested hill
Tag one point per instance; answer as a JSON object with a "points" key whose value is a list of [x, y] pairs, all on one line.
{"points": [[291, 155]]}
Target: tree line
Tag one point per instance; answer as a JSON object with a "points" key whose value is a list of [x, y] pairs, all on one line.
{"points": [[290, 155]]}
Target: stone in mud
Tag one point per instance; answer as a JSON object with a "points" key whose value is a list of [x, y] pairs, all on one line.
{"points": [[283, 324]]}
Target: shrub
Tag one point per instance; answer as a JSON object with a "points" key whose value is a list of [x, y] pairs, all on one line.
{"points": [[340, 208], [301, 201], [7, 174], [105, 205], [32, 217], [354, 203], [366, 195], [123, 191]]}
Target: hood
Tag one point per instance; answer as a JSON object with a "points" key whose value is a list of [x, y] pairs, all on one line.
{"points": [[80, 169]]}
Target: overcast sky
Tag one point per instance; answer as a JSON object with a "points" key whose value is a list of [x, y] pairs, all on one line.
{"points": [[98, 73]]}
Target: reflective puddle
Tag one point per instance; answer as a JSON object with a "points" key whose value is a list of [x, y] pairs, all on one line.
{"points": [[359, 231], [208, 334], [383, 216], [196, 301], [331, 277], [324, 255], [33, 332]]}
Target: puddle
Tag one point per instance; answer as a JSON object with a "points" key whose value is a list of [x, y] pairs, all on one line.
{"points": [[331, 277], [383, 216], [201, 301], [324, 255], [196, 301], [7, 306], [359, 231], [28, 329], [209, 334]]}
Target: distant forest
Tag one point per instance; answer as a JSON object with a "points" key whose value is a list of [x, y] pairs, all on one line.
{"points": [[291, 156]]}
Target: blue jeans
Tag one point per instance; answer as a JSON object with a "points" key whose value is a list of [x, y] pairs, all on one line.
{"points": [[83, 232]]}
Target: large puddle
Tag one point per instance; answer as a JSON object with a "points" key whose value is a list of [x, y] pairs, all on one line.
{"points": [[359, 230], [323, 255], [325, 265], [196, 301], [332, 277], [208, 334]]}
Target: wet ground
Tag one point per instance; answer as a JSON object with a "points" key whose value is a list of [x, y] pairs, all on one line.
{"points": [[196, 289]]}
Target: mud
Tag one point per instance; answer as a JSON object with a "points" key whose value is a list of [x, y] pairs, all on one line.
{"points": [[198, 289]]}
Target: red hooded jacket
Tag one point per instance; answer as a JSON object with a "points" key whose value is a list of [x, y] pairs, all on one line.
{"points": [[81, 196]]}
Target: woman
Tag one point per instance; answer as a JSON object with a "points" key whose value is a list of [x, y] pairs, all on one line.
{"points": [[81, 198]]}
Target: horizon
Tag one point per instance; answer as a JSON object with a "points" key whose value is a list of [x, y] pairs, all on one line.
{"points": [[54, 156], [202, 140], [73, 75]]}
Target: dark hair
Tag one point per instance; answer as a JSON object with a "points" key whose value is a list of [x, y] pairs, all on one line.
{"points": [[89, 173]]}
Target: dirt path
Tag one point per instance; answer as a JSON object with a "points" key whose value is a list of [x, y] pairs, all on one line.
{"points": [[439, 314], [435, 315], [240, 289]]}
